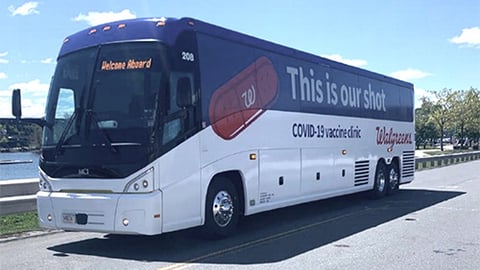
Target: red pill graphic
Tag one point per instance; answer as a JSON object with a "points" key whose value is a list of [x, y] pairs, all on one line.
{"points": [[241, 100]]}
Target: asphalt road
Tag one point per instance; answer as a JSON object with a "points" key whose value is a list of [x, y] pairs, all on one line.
{"points": [[432, 223]]}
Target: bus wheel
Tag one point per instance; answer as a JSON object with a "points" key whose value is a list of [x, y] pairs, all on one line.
{"points": [[380, 184], [393, 178], [221, 209]]}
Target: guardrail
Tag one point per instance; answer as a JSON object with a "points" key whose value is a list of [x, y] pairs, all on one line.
{"points": [[19, 195], [445, 160]]}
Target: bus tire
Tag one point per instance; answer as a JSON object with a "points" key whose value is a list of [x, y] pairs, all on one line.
{"points": [[393, 178], [380, 182], [221, 209]]}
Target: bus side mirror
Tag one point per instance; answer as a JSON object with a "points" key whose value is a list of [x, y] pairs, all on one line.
{"points": [[184, 92], [16, 104]]}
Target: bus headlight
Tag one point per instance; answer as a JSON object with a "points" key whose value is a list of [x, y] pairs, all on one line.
{"points": [[141, 184], [43, 184]]}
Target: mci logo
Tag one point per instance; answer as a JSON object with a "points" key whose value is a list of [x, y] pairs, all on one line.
{"points": [[84, 171]]}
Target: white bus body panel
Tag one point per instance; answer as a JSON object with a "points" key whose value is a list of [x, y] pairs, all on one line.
{"points": [[172, 206], [288, 169], [106, 212], [298, 159], [179, 174]]}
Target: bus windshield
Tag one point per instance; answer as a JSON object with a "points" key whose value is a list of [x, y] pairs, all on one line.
{"points": [[103, 104]]}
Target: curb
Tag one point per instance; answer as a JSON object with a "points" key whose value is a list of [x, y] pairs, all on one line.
{"points": [[26, 235]]}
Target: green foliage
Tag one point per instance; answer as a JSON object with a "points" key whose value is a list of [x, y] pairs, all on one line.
{"points": [[456, 113], [15, 135], [472, 108], [425, 128], [440, 113]]}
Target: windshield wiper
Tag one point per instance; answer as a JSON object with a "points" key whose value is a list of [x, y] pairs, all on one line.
{"points": [[127, 144], [108, 141], [61, 141]]}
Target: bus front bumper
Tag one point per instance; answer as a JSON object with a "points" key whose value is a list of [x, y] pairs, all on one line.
{"points": [[110, 213]]}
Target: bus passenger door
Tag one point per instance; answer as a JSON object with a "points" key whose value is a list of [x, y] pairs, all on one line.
{"points": [[180, 165]]}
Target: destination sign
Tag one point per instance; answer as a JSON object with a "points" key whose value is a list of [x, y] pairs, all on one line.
{"points": [[109, 65]]}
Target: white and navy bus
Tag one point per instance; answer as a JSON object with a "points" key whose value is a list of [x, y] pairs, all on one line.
{"points": [[155, 125]]}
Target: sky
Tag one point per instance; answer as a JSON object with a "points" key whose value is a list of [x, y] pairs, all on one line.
{"points": [[433, 44]]}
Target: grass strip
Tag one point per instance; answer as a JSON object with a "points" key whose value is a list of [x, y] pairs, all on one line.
{"points": [[18, 223]]}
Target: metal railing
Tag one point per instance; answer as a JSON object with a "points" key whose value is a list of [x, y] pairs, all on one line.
{"points": [[18, 195], [445, 160]]}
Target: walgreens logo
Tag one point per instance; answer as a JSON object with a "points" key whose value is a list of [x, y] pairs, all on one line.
{"points": [[390, 137]]}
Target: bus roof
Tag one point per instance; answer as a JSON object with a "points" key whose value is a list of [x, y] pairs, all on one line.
{"points": [[166, 30], [125, 30]]}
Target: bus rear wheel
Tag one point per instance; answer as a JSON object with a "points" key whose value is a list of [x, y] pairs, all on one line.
{"points": [[381, 181], [221, 209], [393, 178]]}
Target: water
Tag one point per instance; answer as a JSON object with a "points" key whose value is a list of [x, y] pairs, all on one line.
{"points": [[19, 171]]}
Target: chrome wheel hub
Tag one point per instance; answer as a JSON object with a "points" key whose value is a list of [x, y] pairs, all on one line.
{"points": [[393, 176], [381, 182], [222, 208]]}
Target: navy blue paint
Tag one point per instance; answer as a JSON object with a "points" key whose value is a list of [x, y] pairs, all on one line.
{"points": [[221, 59], [223, 53], [135, 29]]}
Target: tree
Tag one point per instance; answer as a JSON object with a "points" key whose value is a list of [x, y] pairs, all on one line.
{"points": [[19, 135], [465, 114], [456, 112], [440, 113], [460, 115], [472, 125], [425, 129]]}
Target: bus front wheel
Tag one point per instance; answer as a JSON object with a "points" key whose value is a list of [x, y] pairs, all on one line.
{"points": [[221, 209]]}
